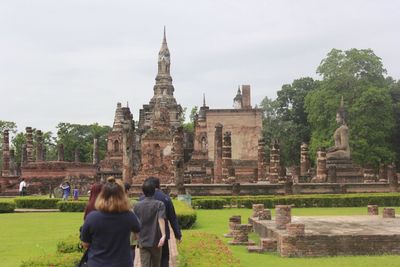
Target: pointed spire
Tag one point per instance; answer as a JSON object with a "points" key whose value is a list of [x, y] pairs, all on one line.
{"points": [[165, 36], [239, 92], [204, 99], [341, 103]]}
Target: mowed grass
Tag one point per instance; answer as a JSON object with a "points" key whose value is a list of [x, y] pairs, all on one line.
{"points": [[25, 235], [216, 221]]}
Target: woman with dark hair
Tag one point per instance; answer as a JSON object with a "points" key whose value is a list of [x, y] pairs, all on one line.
{"points": [[106, 231], [94, 193]]}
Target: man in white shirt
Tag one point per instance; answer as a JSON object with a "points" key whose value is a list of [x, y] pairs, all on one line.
{"points": [[22, 187]]}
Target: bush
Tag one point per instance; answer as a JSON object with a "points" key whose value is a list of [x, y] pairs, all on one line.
{"points": [[58, 260], [204, 249], [6, 206], [185, 214], [211, 203], [36, 203], [305, 201], [71, 206], [69, 245]]}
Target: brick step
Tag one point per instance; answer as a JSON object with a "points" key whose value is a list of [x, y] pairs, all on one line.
{"points": [[255, 249], [269, 244]]}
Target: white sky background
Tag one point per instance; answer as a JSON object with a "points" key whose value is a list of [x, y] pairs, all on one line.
{"points": [[73, 60]]}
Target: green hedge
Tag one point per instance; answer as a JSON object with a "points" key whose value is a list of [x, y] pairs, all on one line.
{"points": [[303, 201], [185, 214], [6, 206], [57, 260], [36, 203], [211, 203], [71, 206]]}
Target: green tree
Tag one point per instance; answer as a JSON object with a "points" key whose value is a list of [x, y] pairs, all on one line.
{"points": [[290, 110], [358, 76], [77, 136]]}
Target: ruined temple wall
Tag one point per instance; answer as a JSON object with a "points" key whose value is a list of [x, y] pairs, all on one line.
{"points": [[53, 169], [245, 127]]}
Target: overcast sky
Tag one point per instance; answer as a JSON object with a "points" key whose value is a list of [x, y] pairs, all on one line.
{"points": [[73, 60]]}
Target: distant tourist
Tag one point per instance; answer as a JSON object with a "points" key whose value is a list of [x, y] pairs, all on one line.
{"points": [[66, 188], [94, 193], [22, 187], [75, 193], [151, 214], [170, 217], [106, 231]]}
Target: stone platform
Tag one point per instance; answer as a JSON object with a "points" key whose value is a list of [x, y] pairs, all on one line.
{"points": [[346, 171], [335, 235]]}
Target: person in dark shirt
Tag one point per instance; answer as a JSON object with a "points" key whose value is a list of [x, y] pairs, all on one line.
{"points": [[170, 217], [106, 231], [151, 214]]}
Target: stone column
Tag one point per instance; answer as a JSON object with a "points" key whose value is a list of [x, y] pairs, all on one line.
{"points": [[233, 220], [256, 209], [60, 156], [389, 213], [39, 145], [76, 155], [322, 172], [261, 160], [6, 153], [218, 153], [24, 155], [392, 177], [283, 216], [304, 160], [241, 235], [178, 160], [274, 165], [13, 165], [44, 153], [264, 214], [127, 152], [29, 144], [383, 175], [227, 155], [95, 151], [373, 210]]}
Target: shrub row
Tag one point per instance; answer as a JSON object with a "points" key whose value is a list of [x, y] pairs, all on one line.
{"points": [[71, 206], [300, 201], [211, 203], [6, 206], [57, 259], [36, 202], [185, 214]]}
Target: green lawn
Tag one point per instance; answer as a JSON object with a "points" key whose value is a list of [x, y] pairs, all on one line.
{"points": [[24, 235], [30, 234], [216, 221]]}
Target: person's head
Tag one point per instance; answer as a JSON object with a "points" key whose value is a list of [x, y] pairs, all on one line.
{"points": [[112, 198], [155, 181], [148, 188], [127, 187], [95, 191], [23, 179], [67, 183]]}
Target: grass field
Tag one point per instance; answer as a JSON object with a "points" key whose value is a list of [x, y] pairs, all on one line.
{"points": [[30, 234]]}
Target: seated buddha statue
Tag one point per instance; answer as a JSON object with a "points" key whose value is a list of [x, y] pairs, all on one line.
{"points": [[341, 149]]}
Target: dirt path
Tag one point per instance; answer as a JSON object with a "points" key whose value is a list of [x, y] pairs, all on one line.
{"points": [[173, 252]]}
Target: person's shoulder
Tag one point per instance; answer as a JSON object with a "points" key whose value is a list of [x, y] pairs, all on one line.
{"points": [[162, 196], [93, 215]]}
